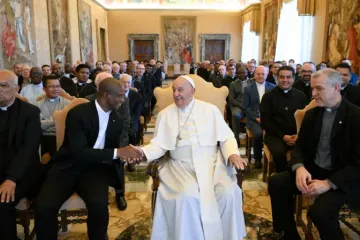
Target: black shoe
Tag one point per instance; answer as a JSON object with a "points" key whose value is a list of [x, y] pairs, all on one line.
{"points": [[258, 165], [121, 202]]}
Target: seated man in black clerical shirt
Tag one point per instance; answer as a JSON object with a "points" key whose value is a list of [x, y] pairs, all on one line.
{"points": [[324, 163], [85, 163], [20, 133], [277, 111], [348, 91], [83, 85]]}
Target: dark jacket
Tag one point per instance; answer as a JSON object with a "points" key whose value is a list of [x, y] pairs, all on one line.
{"points": [[303, 87], [352, 94], [23, 141], [82, 91], [345, 146], [81, 132], [135, 106], [251, 101], [203, 73]]}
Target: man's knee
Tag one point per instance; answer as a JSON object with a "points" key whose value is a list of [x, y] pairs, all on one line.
{"points": [[237, 113], [278, 182], [6, 208], [97, 204], [318, 213]]}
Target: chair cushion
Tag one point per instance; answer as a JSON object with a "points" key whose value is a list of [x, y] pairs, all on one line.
{"points": [[74, 202]]}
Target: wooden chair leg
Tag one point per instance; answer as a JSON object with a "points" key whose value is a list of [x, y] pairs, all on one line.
{"points": [[155, 186], [308, 234], [246, 145], [63, 221], [25, 222], [249, 143], [265, 168]]}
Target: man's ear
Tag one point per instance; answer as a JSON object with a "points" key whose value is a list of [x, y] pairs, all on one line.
{"points": [[17, 87]]}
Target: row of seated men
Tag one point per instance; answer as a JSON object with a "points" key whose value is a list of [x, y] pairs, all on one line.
{"points": [[24, 127]]}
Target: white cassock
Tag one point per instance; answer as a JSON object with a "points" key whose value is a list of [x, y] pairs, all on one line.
{"points": [[198, 197]]}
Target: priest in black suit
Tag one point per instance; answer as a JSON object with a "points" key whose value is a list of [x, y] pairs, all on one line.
{"points": [[85, 163], [277, 111], [20, 132], [348, 91], [324, 163], [83, 85], [304, 84], [135, 107], [65, 82]]}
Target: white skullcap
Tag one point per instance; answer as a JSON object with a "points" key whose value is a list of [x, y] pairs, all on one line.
{"points": [[189, 80]]}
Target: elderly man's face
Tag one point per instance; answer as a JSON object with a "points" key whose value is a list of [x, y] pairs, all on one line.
{"points": [[323, 93], [123, 67], [306, 71], [46, 71], [8, 89], [107, 68], [25, 72], [52, 88], [126, 84], [261, 74], [345, 76], [18, 69], [183, 92], [222, 70], [115, 68], [36, 75]]}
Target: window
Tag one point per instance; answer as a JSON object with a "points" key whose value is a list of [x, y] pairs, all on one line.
{"points": [[294, 34], [250, 44]]}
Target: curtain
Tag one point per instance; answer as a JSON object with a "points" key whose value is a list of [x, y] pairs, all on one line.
{"points": [[270, 29], [294, 35], [250, 44]]}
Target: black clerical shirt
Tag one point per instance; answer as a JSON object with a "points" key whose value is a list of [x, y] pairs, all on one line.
{"points": [[304, 87], [277, 111]]}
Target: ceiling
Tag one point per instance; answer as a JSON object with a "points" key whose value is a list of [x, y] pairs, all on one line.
{"points": [[224, 5]]}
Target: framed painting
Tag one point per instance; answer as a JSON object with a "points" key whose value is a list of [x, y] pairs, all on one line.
{"points": [[59, 31], [85, 32], [343, 33], [17, 33], [179, 34]]}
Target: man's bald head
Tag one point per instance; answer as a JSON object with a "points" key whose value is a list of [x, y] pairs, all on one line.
{"points": [[101, 76], [111, 94], [9, 87], [261, 73]]}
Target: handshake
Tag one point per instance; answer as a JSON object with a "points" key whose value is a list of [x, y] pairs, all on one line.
{"points": [[131, 154]]}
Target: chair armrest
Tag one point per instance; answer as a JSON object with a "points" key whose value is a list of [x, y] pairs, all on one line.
{"points": [[153, 167]]}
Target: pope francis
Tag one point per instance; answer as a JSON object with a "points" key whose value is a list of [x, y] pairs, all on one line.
{"points": [[198, 197]]}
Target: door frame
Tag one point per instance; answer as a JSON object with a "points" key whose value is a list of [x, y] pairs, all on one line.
{"points": [[225, 37], [133, 37]]}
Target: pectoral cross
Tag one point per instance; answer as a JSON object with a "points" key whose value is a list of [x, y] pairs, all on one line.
{"points": [[178, 137]]}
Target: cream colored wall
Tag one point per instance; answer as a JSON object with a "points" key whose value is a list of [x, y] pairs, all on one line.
{"points": [[319, 31], [122, 23]]}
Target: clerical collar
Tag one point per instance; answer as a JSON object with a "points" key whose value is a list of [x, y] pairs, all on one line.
{"points": [[52, 100], [40, 85], [81, 83], [6, 107], [286, 91], [334, 108], [306, 83], [343, 87]]}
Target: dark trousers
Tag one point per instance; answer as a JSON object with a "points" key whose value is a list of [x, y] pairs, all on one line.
{"points": [[92, 187], [28, 189], [48, 145], [256, 129], [324, 212], [278, 149]]}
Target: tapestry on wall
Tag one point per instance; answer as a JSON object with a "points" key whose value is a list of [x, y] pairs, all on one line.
{"points": [[85, 32], [17, 33], [343, 35], [59, 31], [179, 39], [270, 30]]}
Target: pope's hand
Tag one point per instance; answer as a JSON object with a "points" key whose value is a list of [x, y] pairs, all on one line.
{"points": [[138, 150], [129, 154], [237, 161]]}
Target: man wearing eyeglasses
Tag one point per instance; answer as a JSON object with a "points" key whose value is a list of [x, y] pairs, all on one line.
{"points": [[305, 76], [48, 105], [20, 134]]}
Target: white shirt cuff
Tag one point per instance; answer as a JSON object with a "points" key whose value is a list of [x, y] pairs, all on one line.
{"points": [[115, 154]]}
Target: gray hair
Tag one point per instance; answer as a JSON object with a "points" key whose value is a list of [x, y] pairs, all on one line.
{"points": [[9, 76], [125, 77], [332, 76]]}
